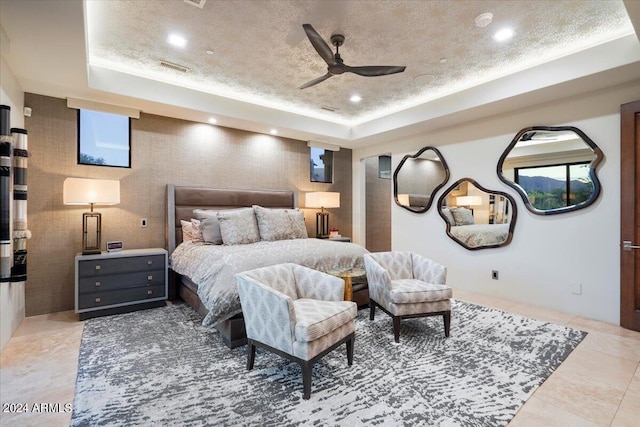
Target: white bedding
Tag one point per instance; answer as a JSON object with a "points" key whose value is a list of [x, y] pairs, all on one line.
{"points": [[212, 267], [475, 235]]}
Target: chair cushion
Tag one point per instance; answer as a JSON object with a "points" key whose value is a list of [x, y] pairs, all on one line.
{"points": [[315, 318], [406, 291]]}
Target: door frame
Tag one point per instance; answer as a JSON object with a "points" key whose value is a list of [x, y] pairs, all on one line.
{"points": [[629, 212]]}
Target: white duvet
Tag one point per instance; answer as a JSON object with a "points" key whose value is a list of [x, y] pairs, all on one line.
{"points": [[212, 267]]}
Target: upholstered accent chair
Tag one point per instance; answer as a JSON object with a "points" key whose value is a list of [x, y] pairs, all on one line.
{"points": [[297, 313], [406, 285]]}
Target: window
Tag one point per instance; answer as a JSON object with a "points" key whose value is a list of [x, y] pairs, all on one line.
{"points": [[321, 165], [548, 186], [384, 167], [104, 139]]}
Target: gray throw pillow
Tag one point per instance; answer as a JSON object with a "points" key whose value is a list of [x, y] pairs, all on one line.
{"points": [[209, 225], [238, 226], [463, 216]]}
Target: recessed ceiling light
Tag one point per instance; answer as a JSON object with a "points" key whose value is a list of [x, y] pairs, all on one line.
{"points": [[483, 19], [273, 132], [177, 40], [209, 52], [503, 35], [355, 98], [443, 60], [213, 120]]}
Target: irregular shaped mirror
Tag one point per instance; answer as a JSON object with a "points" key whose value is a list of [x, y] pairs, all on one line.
{"points": [[418, 177], [552, 168], [477, 218]]}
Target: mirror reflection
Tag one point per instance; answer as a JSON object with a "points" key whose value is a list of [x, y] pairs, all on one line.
{"points": [[477, 218], [552, 168], [418, 177]]}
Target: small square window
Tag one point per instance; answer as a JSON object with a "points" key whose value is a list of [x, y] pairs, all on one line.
{"points": [[104, 139], [321, 165]]}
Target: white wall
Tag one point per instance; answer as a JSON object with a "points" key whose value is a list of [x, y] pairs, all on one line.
{"points": [[547, 254], [11, 294]]}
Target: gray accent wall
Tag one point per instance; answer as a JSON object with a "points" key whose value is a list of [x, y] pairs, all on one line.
{"points": [[164, 150], [378, 208]]}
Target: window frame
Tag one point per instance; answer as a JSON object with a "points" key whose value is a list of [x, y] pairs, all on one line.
{"points": [[80, 142], [325, 153]]}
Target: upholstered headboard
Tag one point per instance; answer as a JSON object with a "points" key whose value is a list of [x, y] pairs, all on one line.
{"points": [[183, 199]]}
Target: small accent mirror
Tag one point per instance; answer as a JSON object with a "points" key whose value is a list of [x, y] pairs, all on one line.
{"points": [[417, 179], [477, 218], [552, 168]]}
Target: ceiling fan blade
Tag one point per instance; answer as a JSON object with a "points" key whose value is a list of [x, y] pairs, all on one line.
{"points": [[316, 81], [375, 70], [319, 44]]}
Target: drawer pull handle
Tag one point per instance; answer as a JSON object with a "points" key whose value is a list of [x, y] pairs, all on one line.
{"points": [[97, 300], [150, 277], [149, 292], [149, 262], [97, 284], [97, 267]]}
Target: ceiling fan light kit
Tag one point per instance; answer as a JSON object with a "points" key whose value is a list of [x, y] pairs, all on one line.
{"points": [[335, 64]]}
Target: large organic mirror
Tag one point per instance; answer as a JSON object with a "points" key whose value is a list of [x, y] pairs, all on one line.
{"points": [[418, 177], [552, 168], [477, 218]]}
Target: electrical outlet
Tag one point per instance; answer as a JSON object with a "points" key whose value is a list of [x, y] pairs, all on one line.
{"points": [[494, 274], [143, 222], [576, 288]]}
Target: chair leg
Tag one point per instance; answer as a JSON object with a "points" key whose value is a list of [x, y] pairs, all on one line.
{"points": [[350, 351], [251, 355], [447, 323], [372, 309], [307, 369], [396, 328]]}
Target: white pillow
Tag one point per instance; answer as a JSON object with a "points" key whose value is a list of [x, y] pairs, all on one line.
{"points": [[298, 227], [463, 216], [280, 224], [273, 224], [238, 226]]}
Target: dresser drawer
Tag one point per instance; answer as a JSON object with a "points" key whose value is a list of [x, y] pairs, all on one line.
{"points": [[102, 267], [119, 281], [119, 296]]}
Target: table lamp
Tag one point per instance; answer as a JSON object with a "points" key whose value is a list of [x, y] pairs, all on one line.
{"points": [[82, 191], [322, 200], [468, 201]]}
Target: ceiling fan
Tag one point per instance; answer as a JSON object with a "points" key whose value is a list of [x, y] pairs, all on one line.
{"points": [[334, 61]]}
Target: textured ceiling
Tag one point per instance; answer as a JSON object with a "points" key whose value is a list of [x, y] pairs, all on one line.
{"points": [[261, 54]]}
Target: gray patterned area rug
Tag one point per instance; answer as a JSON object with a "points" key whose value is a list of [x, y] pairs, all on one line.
{"points": [[161, 367]]}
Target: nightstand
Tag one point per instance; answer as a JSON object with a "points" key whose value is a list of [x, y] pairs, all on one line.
{"points": [[118, 282], [340, 239]]}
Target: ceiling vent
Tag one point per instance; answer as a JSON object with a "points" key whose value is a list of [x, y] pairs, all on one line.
{"points": [[327, 108], [176, 67], [196, 3]]}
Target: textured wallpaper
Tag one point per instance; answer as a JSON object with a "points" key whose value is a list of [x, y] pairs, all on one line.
{"points": [[164, 150]]}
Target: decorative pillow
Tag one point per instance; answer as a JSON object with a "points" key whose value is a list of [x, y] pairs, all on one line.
{"points": [[238, 226], [463, 216], [298, 227], [187, 230], [448, 216], [273, 224], [196, 233], [209, 225]]}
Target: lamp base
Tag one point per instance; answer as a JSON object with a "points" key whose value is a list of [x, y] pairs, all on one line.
{"points": [[91, 232], [322, 225]]}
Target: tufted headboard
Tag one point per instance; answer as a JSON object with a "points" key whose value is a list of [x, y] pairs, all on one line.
{"points": [[183, 199]]}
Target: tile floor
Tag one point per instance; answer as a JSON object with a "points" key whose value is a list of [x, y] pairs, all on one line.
{"points": [[598, 384]]}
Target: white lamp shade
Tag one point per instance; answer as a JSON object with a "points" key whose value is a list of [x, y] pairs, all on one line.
{"points": [[82, 191], [403, 199], [469, 200], [322, 199]]}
